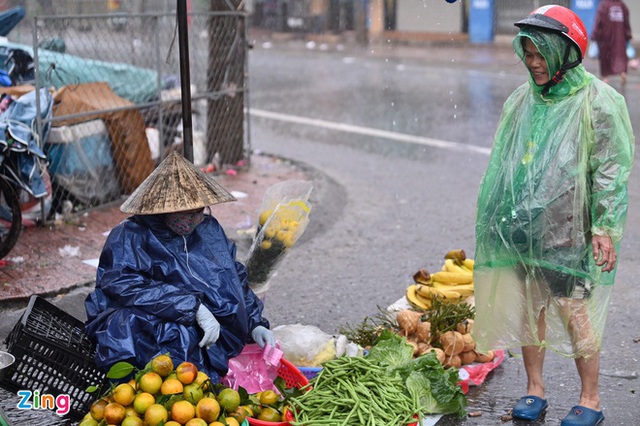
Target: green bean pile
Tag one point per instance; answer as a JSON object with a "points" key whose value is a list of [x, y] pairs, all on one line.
{"points": [[354, 391]]}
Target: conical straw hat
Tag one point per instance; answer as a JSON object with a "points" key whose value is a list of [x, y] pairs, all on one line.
{"points": [[175, 185]]}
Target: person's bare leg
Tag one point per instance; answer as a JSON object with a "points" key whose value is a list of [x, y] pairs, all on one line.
{"points": [[533, 357], [589, 369], [587, 351]]}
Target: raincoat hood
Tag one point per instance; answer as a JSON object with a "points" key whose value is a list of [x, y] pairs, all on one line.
{"points": [[553, 46]]}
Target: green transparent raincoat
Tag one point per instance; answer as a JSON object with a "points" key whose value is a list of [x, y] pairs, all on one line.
{"points": [[557, 175]]}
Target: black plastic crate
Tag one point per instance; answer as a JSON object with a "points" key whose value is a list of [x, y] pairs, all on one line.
{"points": [[53, 356]]}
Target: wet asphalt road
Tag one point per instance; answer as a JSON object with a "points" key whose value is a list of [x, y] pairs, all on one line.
{"points": [[396, 141]]}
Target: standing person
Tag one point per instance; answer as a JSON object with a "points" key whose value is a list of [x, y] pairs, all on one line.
{"points": [[168, 279], [551, 212], [612, 32]]}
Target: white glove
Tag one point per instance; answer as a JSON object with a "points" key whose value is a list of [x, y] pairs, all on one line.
{"points": [[263, 336], [209, 325]]}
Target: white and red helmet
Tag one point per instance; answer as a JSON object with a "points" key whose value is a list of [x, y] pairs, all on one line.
{"points": [[562, 20]]}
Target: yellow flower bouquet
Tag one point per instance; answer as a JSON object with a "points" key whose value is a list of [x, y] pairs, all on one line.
{"points": [[284, 216]]}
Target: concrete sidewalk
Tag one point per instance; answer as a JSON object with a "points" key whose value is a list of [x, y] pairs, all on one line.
{"points": [[49, 260]]}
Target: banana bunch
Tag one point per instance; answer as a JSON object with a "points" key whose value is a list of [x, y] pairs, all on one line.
{"points": [[452, 284]]}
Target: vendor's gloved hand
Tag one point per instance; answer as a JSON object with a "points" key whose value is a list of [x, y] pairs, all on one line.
{"points": [[209, 325], [263, 336]]}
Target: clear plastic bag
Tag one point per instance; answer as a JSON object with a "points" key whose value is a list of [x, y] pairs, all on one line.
{"points": [[284, 216]]}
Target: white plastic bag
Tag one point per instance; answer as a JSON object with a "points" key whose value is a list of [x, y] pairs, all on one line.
{"points": [[593, 50], [307, 345]]}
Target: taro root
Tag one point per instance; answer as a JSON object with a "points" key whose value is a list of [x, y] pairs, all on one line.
{"points": [[469, 343], [452, 361], [423, 332], [439, 354], [468, 357], [465, 326], [408, 321], [488, 357], [452, 342]]}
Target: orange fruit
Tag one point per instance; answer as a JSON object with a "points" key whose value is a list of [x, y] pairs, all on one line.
{"points": [[143, 401], [162, 365], [156, 415], [268, 397], [171, 386], [248, 410], [229, 399], [124, 394], [172, 423], [97, 409], [114, 413], [231, 421], [182, 411], [186, 372], [88, 422], [196, 422], [208, 409], [129, 411], [150, 382], [216, 424], [132, 421], [239, 414], [192, 393], [270, 414], [201, 378]]}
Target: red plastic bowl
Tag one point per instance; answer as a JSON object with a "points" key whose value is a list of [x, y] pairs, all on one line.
{"points": [[292, 378]]}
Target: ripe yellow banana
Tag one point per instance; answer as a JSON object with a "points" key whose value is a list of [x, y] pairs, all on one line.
{"points": [[451, 266], [452, 277], [416, 301], [468, 264], [465, 290], [433, 292]]}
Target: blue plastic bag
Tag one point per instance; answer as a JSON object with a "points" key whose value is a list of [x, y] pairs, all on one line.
{"points": [[631, 51]]}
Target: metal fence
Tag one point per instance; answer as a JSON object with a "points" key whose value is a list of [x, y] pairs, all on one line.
{"points": [[117, 100]]}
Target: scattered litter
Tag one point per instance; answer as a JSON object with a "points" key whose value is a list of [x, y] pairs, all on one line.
{"points": [[239, 194], [68, 251], [231, 172], [92, 262], [475, 414], [248, 231], [17, 259]]}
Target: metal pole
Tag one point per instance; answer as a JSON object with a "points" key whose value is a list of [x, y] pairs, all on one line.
{"points": [[185, 81]]}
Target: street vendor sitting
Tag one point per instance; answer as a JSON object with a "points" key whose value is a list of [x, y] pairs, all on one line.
{"points": [[168, 280]]}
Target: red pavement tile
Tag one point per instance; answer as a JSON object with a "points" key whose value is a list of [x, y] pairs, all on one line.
{"points": [[51, 259]]}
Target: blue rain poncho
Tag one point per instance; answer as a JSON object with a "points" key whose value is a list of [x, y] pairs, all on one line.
{"points": [[150, 283], [557, 175]]}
